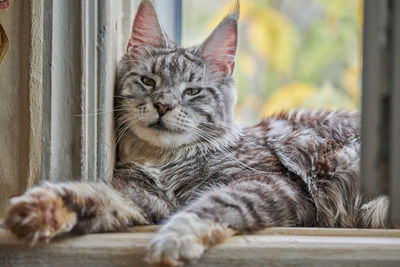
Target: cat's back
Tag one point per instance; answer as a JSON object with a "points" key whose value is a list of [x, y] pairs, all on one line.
{"points": [[339, 125], [315, 143], [304, 142]]}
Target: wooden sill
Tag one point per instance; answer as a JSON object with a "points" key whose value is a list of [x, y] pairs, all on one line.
{"points": [[273, 246]]}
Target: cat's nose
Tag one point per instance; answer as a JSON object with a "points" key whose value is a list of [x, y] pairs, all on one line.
{"points": [[162, 109]]}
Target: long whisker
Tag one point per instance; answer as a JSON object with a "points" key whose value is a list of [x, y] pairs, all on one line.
{"points": [[127, 124], [100, 113]]}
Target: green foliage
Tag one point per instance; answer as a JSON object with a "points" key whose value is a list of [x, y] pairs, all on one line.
{"points": [[291, 57]]}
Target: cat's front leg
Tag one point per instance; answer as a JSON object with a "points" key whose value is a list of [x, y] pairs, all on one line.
{"points": [[244, 206], [46, 211], [38, 215], [184, 239]]}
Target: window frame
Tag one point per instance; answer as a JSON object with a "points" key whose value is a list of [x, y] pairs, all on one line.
{"points": [[380, 128], [79, 61], [101, 40], [100, 30]]}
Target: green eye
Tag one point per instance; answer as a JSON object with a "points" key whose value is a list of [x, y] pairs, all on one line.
{"points": [[148, 81], [192, 91]]}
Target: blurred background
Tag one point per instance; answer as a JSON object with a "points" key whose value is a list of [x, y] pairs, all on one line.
{"points": [[292, 54]]}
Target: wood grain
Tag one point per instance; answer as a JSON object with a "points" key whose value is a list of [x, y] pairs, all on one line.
{"points": [[272, 247]]}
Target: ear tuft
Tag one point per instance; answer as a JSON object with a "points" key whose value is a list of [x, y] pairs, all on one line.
{"points": [[146, 29], [220, 47], [235, 13]]}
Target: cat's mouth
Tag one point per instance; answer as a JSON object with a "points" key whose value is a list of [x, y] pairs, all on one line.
{"points": [[159, 126]]}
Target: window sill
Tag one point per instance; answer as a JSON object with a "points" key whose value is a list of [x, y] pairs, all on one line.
{"points": [[280, 246]]}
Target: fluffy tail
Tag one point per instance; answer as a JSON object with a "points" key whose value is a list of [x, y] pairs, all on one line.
{"points": [[374, 213]]}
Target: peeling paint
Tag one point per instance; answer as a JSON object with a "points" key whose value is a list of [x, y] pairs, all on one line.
{"points": [[102, 31]]}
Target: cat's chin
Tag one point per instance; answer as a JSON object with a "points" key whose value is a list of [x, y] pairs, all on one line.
{"points": [[163, 138]]}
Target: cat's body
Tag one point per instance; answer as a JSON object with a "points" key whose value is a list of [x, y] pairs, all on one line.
{"points": [[265, 152], [181, 153]]}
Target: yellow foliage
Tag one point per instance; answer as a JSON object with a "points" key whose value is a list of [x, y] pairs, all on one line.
{"points": [[329, 97], [301, 95], [272, 37], [333, 10], [247, 64], [250, 103], [269, 34], [360, 13], [287, 97], [351, 82]]}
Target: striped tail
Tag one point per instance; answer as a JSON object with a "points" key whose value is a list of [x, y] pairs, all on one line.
{"points": [[374, 213]]}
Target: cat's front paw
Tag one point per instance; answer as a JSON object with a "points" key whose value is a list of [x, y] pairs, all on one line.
{"points": [[174, 249], [39, 215], [184, 239]]}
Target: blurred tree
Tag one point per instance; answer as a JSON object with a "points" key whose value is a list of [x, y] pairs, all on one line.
{"points": [[292, 54]]}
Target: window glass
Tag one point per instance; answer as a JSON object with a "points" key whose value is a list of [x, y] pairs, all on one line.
{"points": [[292, 54]]}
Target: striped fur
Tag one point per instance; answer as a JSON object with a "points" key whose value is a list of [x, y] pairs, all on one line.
{"points": [[293, 169]]}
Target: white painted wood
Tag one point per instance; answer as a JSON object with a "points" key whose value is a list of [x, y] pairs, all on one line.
{"points": [[89, 90], [62, 91], [275, 246], [107, 47], [80, 57]]}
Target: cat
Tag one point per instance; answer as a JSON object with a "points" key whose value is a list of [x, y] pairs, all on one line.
{"points": [[182, 157]]}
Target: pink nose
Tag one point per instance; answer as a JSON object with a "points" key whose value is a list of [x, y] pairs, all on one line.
{"points": [[161, 108]]}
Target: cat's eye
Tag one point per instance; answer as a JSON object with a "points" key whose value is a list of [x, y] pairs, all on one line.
{"points": [[192, 91], [148, 81]]}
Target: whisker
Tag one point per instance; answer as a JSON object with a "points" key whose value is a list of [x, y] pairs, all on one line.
{"points": [[124, 130], [100, 113]]}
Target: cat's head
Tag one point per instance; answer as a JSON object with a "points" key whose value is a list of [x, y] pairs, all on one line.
{"points": [[171, 96]]}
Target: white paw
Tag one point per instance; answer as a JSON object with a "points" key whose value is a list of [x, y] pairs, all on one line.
{"points": [[184, 239], [174, 249]]}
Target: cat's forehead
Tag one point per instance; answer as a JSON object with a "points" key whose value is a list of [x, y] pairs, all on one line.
{"points": [[179, 64]]}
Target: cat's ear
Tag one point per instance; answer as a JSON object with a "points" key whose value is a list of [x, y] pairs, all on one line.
{"points": [[146, 29], [220, 47]]}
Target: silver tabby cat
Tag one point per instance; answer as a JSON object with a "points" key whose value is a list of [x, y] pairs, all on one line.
{"points": [[182, 157]]}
